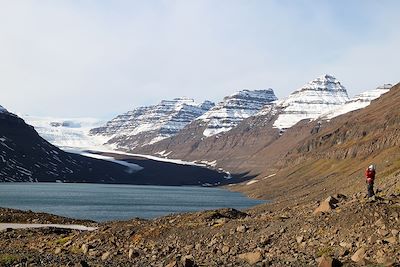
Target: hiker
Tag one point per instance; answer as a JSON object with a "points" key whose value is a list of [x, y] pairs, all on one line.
{"points": [[370, 176]]}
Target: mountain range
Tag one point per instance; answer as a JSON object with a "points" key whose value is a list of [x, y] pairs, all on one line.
{"points": [[250, 133]]}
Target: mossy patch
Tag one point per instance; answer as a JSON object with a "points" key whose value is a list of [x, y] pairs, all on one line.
{"points": [[63, 240], [9, 259]]}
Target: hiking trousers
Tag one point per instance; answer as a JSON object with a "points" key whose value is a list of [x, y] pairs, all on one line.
{"points": [[370, 188]]}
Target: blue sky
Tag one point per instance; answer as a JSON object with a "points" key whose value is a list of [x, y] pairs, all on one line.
{"points": [[101, 58]]}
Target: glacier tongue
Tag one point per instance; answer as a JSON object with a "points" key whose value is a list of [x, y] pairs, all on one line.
{"points": [[67, 132], [358, 102], [151, 124], [235, 108], [310, 101]]}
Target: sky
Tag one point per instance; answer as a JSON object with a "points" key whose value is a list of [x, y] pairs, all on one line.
{"points": [[97, 58]]}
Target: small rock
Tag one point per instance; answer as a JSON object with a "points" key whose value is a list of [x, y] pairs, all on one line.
{"points": [[359, 255], [380, 223], [391, 240], [241, 229], [345, 245], [172, 264], [331, 200], [189, 248], [325, 206], [299, 239], [85, 248], [133, 254], [105, 256], [69, 242], [386, 261], [225, 249], [57, 251], [188, 261], [251, 257], [326, 261], [82, 264], [395, 232], [382, 232]]}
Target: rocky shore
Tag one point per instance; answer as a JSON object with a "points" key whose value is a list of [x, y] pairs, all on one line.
{"points": [[338, 231]]}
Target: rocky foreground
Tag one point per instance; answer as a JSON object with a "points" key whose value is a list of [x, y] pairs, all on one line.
{"points": [[338, 231]]}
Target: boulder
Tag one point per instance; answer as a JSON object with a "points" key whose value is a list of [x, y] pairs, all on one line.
{"points": [[251, 257], [85, 248], [105, 256], [391, 240], [132, 253], [57, 251], [241, 229], [299, 239], [326, 261], [225, 249], [188, 261], [359, 255], [386, 261], [172, 264], [326, 205]]}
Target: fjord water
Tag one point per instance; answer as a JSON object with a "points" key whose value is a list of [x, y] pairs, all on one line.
{"points": [[105, 202]]}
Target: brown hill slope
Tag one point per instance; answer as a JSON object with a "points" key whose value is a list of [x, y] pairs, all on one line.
{"points": [[308, 159], [331, 157], [231, 149]]}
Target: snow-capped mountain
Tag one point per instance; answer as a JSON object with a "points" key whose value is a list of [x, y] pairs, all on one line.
{"points": [[67, 132], [358, 102], [235, 108], [147, 125], [317, 97]]}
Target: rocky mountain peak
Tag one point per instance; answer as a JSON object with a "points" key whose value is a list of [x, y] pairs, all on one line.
{"points": [[315, 98], [325, 82], [147, 125], [234, 108]]}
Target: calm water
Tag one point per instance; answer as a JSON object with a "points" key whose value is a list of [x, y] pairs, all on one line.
{"points": [[103, 202]]}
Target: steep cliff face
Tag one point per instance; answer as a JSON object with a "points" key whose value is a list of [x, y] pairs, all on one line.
{"points": [[235, 108], [147, 125], [317, 97]]}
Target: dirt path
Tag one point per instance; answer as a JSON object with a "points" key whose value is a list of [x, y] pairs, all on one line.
{"points": [[4, 226]]}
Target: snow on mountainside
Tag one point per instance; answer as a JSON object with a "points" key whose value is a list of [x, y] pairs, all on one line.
{"points": [[64, 132], [358, 102], [235, 108], [147, 125], [310, 101], [2, 109]]}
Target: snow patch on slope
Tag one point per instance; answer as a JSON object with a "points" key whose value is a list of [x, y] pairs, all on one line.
{"points": [[358, 102]]}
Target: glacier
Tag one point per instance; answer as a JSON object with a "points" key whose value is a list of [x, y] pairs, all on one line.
{"points": [[67, 132]]}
